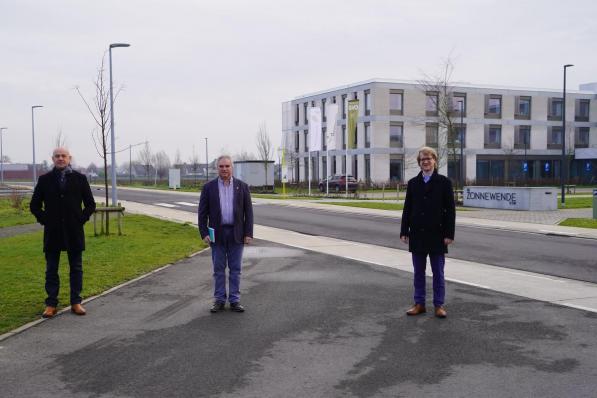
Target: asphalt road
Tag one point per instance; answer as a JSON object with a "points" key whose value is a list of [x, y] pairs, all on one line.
{"points": [[315, 326], [566, 257]]}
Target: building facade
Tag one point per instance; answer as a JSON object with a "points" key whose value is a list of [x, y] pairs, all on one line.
{"points": [[492, 135]]}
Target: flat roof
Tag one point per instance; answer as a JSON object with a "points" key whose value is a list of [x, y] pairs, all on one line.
{"points": [[454, 85]]}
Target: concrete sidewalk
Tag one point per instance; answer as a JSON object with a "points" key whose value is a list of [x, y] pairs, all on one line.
{"points": [[561, 291]]}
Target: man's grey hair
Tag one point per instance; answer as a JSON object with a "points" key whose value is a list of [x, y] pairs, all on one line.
{"points": [[224, 157]]}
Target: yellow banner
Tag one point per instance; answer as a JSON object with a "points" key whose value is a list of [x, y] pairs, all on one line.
{"points": [[353, 116]]}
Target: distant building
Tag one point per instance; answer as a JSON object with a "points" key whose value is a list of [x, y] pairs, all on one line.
{"points": [[509, 134]]}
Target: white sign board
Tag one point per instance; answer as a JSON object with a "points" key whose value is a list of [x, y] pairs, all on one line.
{"points": [[174, 178], [511, 198]]}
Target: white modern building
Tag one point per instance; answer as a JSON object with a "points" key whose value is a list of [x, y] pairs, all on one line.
{"points": [[509, 134]]}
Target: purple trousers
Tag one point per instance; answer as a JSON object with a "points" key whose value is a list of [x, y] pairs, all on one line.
{"points": [[226, 253], [439, 286]]}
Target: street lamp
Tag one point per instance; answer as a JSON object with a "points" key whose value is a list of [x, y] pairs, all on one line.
{"points": [[2, 157], [113, 141], [461, 145], [33, 142], [206, 162], [563, 167]]}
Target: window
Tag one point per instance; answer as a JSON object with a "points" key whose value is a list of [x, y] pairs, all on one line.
{"points": [[354, 95], [581, 137], [306, 137], [522, 137], [343, 164], [554, 137], [493, 106], [334, 99], [367, 135], [333, 172], [296, 115], [324, 141], [395, 167], [581, 110], [493, 136], [457, 99], [344, 136], [458, 135], [395, 135], [296, 141], [367, 168], [324, 166], [431, 134], [306, 168], [555, 107], [343, 106], [367, 102], [355, 144], [523, 108], [396, 97], [323, 119], [431, 101], [305, 119], [355, 167]]}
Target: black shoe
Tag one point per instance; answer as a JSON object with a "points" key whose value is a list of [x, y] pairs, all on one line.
{"points": [[236, 307], [217, 307]]}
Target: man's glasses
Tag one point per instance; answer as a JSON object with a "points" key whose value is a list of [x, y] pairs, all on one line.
{"points": [[60, 156], [426, 159]]}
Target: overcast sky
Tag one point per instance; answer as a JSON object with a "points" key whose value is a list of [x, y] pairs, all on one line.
{"points": [[218, 69]]}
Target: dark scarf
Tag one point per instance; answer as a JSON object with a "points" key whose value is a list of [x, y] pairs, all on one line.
{"points": [[61, 174]]}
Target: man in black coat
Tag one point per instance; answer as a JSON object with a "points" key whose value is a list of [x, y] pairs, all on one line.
{"points": [[225, 207], [428, 222], [56, 204]]}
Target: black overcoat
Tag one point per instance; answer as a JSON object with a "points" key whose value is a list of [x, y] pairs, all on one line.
{"points": [[60, 211], [429, 214]]}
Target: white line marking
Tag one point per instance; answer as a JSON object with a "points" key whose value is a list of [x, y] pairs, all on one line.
{"points": [[468, 283], [534, 276], [165, 205], [187, 204]]}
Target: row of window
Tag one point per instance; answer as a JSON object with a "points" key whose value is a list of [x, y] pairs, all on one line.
{"points": [[492, 137], [493, 106]]}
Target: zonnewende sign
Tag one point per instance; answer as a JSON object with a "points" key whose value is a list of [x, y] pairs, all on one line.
{"points": [[511, 198]]}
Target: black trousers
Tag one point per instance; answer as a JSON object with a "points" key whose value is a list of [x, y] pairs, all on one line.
{"points": [[75, 261]]}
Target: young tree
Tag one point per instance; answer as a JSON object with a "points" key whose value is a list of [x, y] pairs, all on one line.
{"points": [[244, 155], [60, 140], [162, 164], [177, 158], [194, 162], [264, 147], [146, 159], [99, 108]]}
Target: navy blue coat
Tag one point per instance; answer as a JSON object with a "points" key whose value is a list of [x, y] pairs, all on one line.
{"points": [[429, 214], [210, 213], [60, 212]]}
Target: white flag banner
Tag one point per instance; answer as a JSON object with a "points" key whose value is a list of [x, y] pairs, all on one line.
{"points": [[331, 115], [314, 129]]}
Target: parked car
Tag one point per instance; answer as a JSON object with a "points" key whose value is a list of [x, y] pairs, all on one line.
{"points": [[337, 183]]}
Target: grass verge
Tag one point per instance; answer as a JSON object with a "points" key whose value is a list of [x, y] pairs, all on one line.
{"points": [[579, 222], [9, 216], [147, 244], [576, 203]]}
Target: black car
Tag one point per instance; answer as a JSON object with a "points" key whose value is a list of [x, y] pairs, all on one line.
{"points": [[337, 183]]}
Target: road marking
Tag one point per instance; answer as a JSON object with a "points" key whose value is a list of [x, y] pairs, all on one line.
{"points": [[165, 205], [533, 276], [186, 204]]}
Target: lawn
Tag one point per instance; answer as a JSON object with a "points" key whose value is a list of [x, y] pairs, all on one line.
{"points": [[147, 244], [579, 222], [10, 216], [576, 203]]}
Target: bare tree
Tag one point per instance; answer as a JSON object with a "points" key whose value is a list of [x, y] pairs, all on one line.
{"points": [[194, 162], [177, 158], [162, 164], [99, 108], [5, 159], [60, 140], [146, 158], [264, 147], [439, 88], [244, 155]]}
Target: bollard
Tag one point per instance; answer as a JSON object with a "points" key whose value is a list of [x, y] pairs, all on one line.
{"points": [[594, 203]]}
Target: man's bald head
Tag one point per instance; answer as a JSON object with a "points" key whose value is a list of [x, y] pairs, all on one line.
{"points": [[61, 157]]}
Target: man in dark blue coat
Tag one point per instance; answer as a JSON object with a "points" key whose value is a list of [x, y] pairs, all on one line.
{"points": [[56, 204], [428, 223], [226, 213]]}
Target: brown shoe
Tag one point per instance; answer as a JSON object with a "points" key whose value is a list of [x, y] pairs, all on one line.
{"points": [[77, 309], [440, 312], [49, 312], [416, 310]]}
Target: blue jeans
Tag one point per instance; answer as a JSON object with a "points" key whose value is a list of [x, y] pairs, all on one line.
{"points": [[226, 252], [439, 286], [75, 261]]}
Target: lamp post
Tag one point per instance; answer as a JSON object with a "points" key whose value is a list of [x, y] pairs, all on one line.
{"points": [[131, 160], [206, 162], [461, 145], [563, 167], [2, 157], [112, 139], [33, 142]]}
